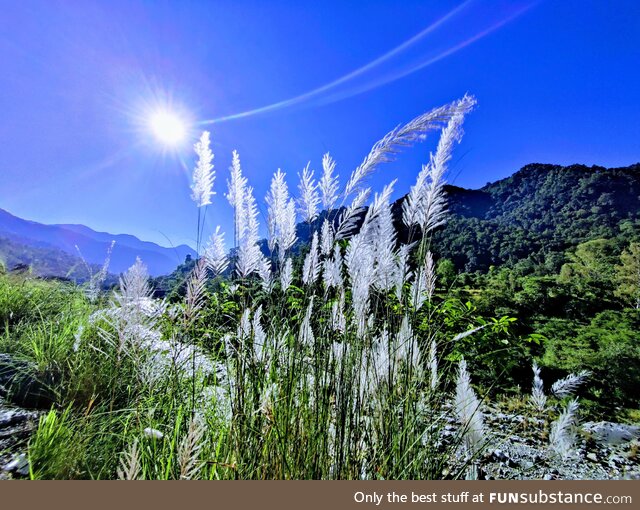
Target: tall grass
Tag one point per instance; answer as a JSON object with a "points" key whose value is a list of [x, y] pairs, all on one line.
{"points": [[327, 367]]}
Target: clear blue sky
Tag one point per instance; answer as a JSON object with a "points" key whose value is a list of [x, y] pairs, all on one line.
{"points": [[557, 83]]}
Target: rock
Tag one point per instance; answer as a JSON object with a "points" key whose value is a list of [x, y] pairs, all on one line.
{"points": [[592, 457], [19, 465], [606, 432], [527, 464]]}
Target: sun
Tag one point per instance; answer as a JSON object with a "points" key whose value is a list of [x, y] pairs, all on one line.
{"points": [[168, 127]]}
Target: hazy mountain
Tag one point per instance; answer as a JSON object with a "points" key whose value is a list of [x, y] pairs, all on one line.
{"points": [[93, 246]]}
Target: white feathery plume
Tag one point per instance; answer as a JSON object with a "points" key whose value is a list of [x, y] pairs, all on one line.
{"points": [[407, 349], [433, 365], [467, 409], [306, 336], [235, 195], [402, 272], [276, 199], [265, 274], [215, 253], [425, 204], [96, 280], [309, 198], [425, 283], [338, 319], [196, 288], [328, 183], [288, 228], [467, 333], [286, 274], [380, 204], [311, 267], [347, 221], [130, 466], [384, 240], [359, 260], [538, 397], [203, 174], [189, 450], [259, 335], [568, 385], [326, 238], [249, 254], [563, 430], [332, 269], [244, 326], [134, 286], [415, 130], [281, 215]]}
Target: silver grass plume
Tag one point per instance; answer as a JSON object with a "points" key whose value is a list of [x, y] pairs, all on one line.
{"points": [[306, 336], [309, 198], [203, 174], [259, 335], [538, 397], [249, 254], [265, 274], [196, 291], [467, 333], [425, 204], [563, 430], [402, 272], [326, 238], [433, 365], [236, 194], [567, 386], [281, 215], [311, 267], [347, 220], [130, 467], [286, 274], [407, 349], [96, 280], [332, 269], [215, 253], [359, 260], [328, 183], [467, 409], [425, 284], [189, 450], [384, 241], [338, 319], [134, 286], [406, 135], [244, 327]]}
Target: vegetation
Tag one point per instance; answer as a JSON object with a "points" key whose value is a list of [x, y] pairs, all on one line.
{"points": [[340, 355]]}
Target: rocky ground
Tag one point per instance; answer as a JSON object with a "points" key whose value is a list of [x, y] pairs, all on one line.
{"points": [[518, 448], [16, 425]]}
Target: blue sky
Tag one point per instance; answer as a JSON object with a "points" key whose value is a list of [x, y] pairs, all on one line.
{"points": [[556, 82]]}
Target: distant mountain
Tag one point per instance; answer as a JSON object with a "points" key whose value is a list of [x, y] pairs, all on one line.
{"points": [[535, 215], [34, 239], [530, 218]]}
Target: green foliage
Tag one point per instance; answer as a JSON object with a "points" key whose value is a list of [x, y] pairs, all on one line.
{"points": [[628, 276], [608, 346]]}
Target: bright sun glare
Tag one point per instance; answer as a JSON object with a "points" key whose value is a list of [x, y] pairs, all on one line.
{"points": [[168, 127]]}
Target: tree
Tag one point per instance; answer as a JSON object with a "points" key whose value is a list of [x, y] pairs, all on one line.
{"points": [[628, 276]]}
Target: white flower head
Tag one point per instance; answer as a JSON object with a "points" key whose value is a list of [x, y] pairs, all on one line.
{"points": [[203, 174]]}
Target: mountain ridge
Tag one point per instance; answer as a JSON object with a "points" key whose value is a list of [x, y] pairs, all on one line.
{"points": [[93, 245]]}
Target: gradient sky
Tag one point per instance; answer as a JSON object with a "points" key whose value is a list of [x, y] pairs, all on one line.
{"points": [[556, 82]]}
